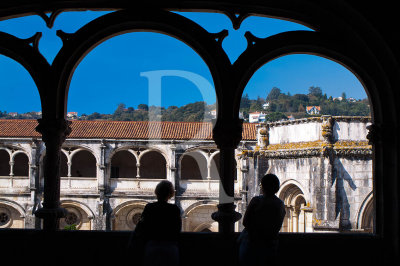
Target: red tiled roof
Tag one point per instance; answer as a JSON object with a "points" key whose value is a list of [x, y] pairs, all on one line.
{"points": [[25, 128]]}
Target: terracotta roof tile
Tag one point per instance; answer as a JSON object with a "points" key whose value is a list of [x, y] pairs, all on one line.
{"points": [[123, 130]]}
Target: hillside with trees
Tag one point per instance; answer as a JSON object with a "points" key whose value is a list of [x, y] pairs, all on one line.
{"points": [[276, 106], [281, 105]]}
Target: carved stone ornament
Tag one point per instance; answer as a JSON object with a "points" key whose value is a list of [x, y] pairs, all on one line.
{"points": [[327, 128]]}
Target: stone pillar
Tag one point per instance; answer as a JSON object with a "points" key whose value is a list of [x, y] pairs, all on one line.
{"points": [[33, 180], [325, 192], [227, 136], [54, 132], [99, 221]]}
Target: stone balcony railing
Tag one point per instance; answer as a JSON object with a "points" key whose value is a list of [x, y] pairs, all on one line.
{"points": [[14, 183], [78, 183], [138, 185]]}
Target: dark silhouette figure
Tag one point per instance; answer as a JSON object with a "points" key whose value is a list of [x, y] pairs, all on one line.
{"points": [[160, 225], [263, 219]]}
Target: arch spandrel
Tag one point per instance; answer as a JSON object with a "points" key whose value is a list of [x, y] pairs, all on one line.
{"points": [[31, 59]]}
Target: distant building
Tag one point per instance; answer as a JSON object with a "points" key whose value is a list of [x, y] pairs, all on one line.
{"points": [[313, 110], [352, 100], [338, 99], [13, 114], [72, 115], [213, 114], [265, 105], [256, 117]]}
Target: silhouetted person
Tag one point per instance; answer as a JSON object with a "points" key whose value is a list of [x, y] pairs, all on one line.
{"points": [[161, 224], [262, 221]]}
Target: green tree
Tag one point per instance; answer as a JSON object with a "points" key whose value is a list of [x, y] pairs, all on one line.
{"points": [[273, 94]]}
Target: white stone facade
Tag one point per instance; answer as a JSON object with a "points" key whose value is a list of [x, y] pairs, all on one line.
{"points": [[324, 165]]}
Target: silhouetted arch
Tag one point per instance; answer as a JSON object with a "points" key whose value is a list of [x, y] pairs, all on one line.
{"points": [[119, 22], [83, 163], [123, 165], [153, 165]]}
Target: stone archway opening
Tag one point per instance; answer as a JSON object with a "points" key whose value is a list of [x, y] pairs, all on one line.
{"points": [[4, 163], [193, 166], [123, 165], [298, 216], [21, 165], [83, 164], [153, 166]]}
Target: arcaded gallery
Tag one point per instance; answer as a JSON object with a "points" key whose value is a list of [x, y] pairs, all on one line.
{"points": [[72, 187]]}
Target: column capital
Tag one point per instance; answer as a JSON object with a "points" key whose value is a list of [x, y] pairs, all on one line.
{"points": [[54, 129], [228, 134]]}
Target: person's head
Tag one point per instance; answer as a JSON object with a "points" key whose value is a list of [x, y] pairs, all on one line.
{"points": [[164, 190], [270, 184]]}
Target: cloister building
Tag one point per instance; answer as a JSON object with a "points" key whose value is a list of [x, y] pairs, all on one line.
{"points": [[109, 170]]}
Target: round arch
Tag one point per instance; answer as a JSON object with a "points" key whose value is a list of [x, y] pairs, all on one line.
{"points": [[124, 164], [12, 215], [155, 167], [198, 216], [21, 163], [127, 215], [119, 22], [78, 214], [193, 165], [83, 163], [5, 156], [315, 43]]}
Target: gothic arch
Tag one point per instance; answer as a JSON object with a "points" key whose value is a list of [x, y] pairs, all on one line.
{"points": [[291, 183], [366, 214], [298, 217]]}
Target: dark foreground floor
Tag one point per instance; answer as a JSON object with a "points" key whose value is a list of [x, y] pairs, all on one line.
{"points": [[32, 247]]}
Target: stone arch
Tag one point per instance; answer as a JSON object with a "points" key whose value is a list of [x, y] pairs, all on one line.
{"points": [[12, 215], [119, 22], [5, 156], [198, 217], [21, 163], [298, 216], [127, 215], [214, 166], [78, 214], [193, 165], [83, 163], [206, 227], [123, 164], [32, 61], [154, 165], [366, 214]]}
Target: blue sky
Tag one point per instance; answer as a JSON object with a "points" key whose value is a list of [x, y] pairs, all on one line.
{"points": [[117, 65]]}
